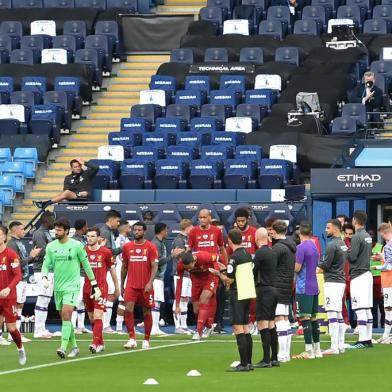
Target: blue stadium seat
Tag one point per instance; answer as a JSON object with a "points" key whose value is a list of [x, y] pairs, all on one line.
{"points": [[17, 170], [317, 13], [260, 5], [281, 13], [27, 4], [182, 55], [46, 120], [383, 12], [205, 124], [252, 55], [22, 56], [198, 82], [205, 174], [71, 86], [9, 127], [78, 29], [59, 3], [364, 5], [106, 177], [351, 12], [169, 174], [111, 29], [5, 4], [175, 125], [214, 15], [7, 188], [220, 112], [249, 152], [168, 213], [91, 58], [126, 139], [148, 111], [250, 13], [231, 139], [192, 139], [130, 5], [135, 123], [67, 42], [156, 139], [97, 4], [216, 55], [6, 88], [182, 153], [272, 27], [226, 5], [136, 174], [5, 154], [36, 84], [344, 125], [60, 99], [279, 167], [216, 152], [12, 29], [101, 44], [163, 82], [287, 54], [307, 27], [239, 174], [233, 82], [280, 211], [5, 48], [30, 157], [375, 26], [270, 181], [194, 98], [263, 98], [330, 6], [35, 43], [357, 111], [25, 98], [182, 111], [147, 153]]}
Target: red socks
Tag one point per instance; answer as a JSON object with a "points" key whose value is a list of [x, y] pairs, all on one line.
{"points": [[147, 326], [202, 317], [130, 323], [97, 332], [211, 311], [16, 336]]}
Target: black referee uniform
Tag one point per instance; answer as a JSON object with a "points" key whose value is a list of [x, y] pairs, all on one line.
{"points": [[265, 264], [240, 308]]}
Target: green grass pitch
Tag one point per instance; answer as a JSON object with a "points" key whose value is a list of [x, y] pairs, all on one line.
{"points": [[172, 357]]}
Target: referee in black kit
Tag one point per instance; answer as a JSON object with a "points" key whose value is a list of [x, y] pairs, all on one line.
{"points": [[239, 271], [265, 263]]}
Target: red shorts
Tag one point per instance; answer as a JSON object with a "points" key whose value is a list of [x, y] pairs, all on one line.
{"points": [[139, 296], [8, 310], [91, 304], [209, 283]]}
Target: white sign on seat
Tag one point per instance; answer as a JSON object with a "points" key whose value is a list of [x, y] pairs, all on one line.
{"points": [[16, 112], [114, 153], [54, 56], [236, 26], [386, 53], [284, 151], [273, 82], [157, 97], [43, 27], [238, 124]]}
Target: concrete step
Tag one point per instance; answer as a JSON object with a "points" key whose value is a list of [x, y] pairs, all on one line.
{"points": [[185, 2], [84, 144], [44, 195], [136, 73], [148, 58], [104, 104], [89, 137], [107, 116], [49, 187], [98, 130], [24, 218], [123, 86], [51, 179], [152, 66], [68, 158], [100, 123], [119, 94]]}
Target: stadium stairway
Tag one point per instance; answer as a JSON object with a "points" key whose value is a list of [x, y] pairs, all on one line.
{"points": [[122, 92], [181, 6]]}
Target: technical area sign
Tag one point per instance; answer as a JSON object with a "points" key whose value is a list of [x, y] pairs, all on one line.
{"points": [[351, 181]]}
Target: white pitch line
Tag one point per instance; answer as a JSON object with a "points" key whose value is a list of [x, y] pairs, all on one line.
{"points": [[46, 365]]}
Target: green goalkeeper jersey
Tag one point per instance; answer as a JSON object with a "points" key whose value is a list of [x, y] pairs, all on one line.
{"points": [[65, 260]]}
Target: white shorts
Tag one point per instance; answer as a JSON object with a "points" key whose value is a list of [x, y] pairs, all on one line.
{"points": [[333, 295], [361, 290], [387, 294], [21, 288], [41, 289], [109, 280], [186, 290], [282, 310], [80, 298], [159, 290]]}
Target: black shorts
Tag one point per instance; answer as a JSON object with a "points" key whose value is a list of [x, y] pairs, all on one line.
{"points": [[239, 310], [266, 300]]}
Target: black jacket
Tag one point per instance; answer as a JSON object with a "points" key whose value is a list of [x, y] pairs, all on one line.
{"points": [[81, 182], [285, 252], [374, 104]]}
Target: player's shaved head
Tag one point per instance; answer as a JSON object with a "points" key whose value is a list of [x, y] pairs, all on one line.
{"points": [[261, 237], [205, 218]]}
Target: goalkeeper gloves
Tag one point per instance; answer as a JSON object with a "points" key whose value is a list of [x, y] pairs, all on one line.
{"points": [[95, 291], [45, 282]]}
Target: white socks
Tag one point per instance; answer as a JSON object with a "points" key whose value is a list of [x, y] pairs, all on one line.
{"points": [[333, 324], [342, 331], [289, 336], [362, 324], [155, 313], [388, 324], [184, 314], [108, 314], [81, 314], [281, 330], [18, 321], [41, 313], [369, 324]]}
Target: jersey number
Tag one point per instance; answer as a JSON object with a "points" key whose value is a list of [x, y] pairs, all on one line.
{"points": [[327, 300], [102, 301]]}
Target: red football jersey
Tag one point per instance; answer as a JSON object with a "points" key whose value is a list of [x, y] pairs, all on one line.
{"points": [[101, 260], [204, 260], [140, 258], [248, 241], [208, 240], [10, 272]]}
